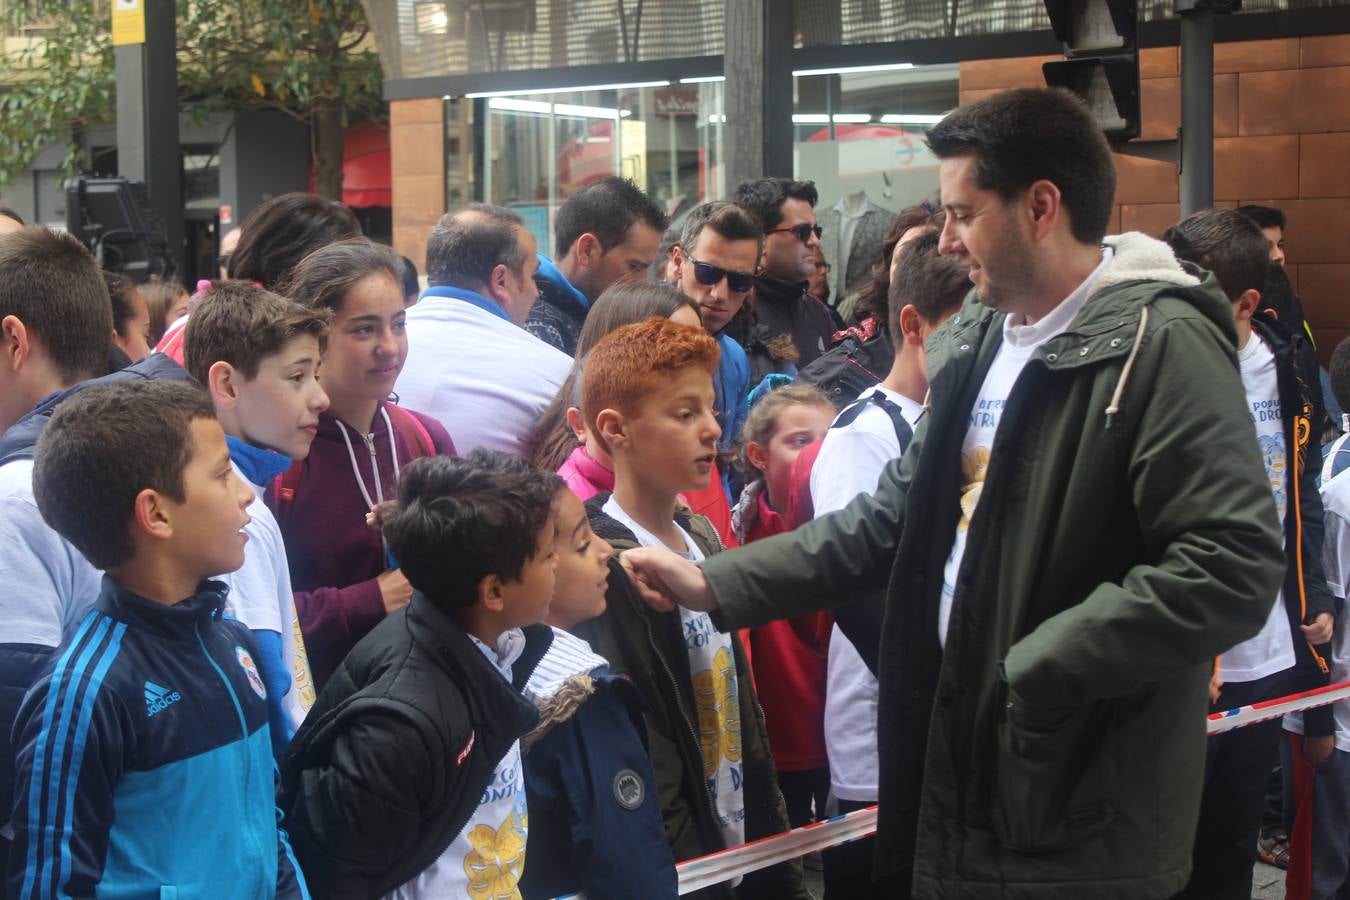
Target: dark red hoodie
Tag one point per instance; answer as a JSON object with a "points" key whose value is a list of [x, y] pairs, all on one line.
{"points": [[334, 554]]}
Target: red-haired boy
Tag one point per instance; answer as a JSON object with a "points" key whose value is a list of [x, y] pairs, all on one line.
{"points": [[647, 395]]}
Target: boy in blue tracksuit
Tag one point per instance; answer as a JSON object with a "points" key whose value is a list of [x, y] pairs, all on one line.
{"points": [[143, 759]]}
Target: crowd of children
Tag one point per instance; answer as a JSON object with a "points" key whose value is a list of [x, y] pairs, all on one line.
{"points": [[266, 632]]}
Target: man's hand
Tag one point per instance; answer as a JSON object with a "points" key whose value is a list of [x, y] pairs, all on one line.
{"points": [[1316, 750], [665, 579], [1319, 632], [1215, 686], [395, 590]]}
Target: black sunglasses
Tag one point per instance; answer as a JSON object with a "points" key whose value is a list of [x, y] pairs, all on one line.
{"points": [[802, 232], [710, 275]]}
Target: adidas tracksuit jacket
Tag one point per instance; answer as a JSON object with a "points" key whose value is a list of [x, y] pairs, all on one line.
{"points": [[144, 763]]}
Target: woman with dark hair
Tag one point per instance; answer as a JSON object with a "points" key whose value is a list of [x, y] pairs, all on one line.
{"points": [[283, 231], [344, 579], [559, 436], [276, 236], [131, 322]]}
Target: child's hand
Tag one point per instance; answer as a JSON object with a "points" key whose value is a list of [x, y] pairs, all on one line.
{"points": [[1316, 750], [1319, 632], [664, 579], [395, 590]]}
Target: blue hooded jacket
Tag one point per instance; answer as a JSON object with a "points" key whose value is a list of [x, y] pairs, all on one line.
{"points": [[560, 311]]}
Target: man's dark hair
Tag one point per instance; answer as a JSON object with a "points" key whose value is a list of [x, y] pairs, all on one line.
{"points": [[460, 520], [120, 289], [49, 282], [466, 245], [323, 279], [874, 298], [608, 209], [242, 324], [763, 198], [1025, 135], [411, 286], [7, 213], [1225, 242], [1264, 216], [103, 446], [1339, 370], [727, 219], [935, 284], [283, 231]]}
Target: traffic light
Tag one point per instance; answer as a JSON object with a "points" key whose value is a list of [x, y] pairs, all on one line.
{"points": [[1102, 60]]}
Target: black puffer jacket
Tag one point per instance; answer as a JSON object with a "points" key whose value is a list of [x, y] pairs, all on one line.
{"points": [[394, 757]]}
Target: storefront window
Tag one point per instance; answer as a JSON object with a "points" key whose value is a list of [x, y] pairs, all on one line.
{"points": [[542, 148], [859, 137]]}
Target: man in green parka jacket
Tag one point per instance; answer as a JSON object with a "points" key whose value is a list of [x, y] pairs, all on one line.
{"points": [[1057, 584]]}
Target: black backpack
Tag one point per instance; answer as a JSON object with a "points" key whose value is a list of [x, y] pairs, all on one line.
{"points": [[851, 366]]}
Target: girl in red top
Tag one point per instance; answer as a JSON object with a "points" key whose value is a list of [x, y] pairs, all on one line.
{"points": [[788, 656]]}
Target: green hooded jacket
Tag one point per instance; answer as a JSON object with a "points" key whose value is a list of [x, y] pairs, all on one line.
{"points": [[1125, 536]]}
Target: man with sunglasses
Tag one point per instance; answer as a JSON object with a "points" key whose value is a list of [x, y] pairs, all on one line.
{"points": [[784, 311], [715, 263]]}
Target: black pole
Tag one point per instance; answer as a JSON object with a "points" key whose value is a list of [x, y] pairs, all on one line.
{"points": [[147, 120], [1197, 109]]}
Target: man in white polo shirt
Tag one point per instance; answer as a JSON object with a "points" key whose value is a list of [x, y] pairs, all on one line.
{"points": [[471, 364]]}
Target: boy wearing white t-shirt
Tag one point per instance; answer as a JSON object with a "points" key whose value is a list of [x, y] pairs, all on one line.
{"points": [[1280, 376], [258, 354], [926, 288], [648, 399], [405, 782]]}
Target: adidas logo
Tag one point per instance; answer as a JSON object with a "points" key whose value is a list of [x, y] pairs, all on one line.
{"points": [[158, 699]]}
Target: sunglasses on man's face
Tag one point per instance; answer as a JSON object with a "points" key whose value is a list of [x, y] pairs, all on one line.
{"points": [[710, 275], [801, 232]]}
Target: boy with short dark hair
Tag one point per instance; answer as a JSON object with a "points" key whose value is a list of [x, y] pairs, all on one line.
{"points": [[258, 354], [1280, 375], [405, 779], [143, 755], [647, 396]]}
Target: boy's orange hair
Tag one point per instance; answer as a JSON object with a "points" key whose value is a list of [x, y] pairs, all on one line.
{"points": [[631, 361]]}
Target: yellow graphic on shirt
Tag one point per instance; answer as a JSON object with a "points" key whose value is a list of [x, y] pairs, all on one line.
{"points": [[719, 712], [497, 859], [304, 682], [973, 466]]}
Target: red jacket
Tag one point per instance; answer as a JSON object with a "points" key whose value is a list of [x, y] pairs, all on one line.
{"points": [[789, 662]]}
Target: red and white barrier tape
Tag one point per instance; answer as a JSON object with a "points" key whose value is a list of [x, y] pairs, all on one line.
{"points": [[1273, 709], [734, 862]]}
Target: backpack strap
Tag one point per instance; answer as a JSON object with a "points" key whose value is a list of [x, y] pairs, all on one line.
{"points": [[415, 435], [903, 431]]}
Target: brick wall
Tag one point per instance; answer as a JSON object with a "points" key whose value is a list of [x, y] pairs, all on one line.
{"points": [[417, 159], [1281, 138]]}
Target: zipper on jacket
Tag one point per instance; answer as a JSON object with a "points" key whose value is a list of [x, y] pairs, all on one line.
{"points": [[369, 440], [243, 736]]}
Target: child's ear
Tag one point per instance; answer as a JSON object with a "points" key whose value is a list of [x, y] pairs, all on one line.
{"points": [[758, 455], [152, 514], [14, 335], [612, 428], [1245, 305], [221, 381], [490, 593], [911, 325], [576, 423]]}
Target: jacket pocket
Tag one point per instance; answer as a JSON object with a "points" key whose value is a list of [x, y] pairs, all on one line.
{"points": [[1056, 775]]}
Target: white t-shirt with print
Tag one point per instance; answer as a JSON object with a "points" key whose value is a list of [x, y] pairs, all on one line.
{"points": [[850, 463], [1336, 559], [1019, 343], [260, 597], [487, 858], [716, 694], [1272, 650]]}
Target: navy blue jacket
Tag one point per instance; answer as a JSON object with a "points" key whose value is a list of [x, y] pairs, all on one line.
{"points": [[595, 813], [144, 760], [560, 311], [20, 664]]}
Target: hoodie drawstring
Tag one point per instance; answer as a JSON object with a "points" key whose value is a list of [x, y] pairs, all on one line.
{"points": [[1129, 364]]}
